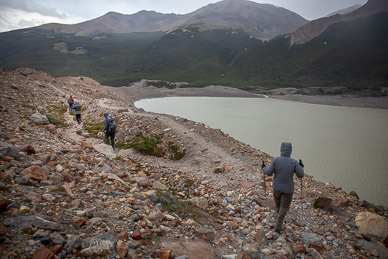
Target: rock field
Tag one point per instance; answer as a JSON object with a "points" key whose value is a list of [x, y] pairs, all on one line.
{"points": [[66, 194]]}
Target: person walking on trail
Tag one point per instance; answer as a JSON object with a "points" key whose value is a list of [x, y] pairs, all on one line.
{"points": [[70, 101], [77, 108], [284, 168], [109, 130]]}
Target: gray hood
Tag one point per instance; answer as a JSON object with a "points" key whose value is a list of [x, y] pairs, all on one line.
{"points": [[286, 149]]}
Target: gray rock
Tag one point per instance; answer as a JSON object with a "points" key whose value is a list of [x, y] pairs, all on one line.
{"points": [[309, 237], [10, 150], [106, 168], [22, 221], [39, 118], [370, 246], [73, 242], [59, 240], [100, 245]]}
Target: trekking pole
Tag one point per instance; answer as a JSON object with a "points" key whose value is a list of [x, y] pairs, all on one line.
{"points": [[301, 185], [265, 186], [301, 193]]}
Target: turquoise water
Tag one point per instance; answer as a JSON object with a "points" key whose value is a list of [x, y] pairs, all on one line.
{"points": [[345, 146]]}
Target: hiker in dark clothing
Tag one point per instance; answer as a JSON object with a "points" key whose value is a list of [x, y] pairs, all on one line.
{"points": [[77, 107], [109, 130], [284, 168], [70, 101]]}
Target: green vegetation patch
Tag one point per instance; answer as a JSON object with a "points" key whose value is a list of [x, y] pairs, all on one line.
{"points": [[56, 115], [148, 145], [173, 205], [175, 151], [93, 128]]}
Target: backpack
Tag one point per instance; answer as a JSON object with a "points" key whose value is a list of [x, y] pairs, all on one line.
{"points": [[111, 123], [70, 101]]}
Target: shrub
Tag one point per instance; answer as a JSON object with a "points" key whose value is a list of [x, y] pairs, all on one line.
{"points": [[148, 145]]}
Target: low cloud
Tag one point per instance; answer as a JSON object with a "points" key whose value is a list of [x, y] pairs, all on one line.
{"points": [[31, 7]]}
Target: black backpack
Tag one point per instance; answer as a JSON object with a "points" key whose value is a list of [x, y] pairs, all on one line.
{"points": [[111, 123]]}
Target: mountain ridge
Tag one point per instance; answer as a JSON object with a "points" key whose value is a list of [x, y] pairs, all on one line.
{"points": [[262, 21]]}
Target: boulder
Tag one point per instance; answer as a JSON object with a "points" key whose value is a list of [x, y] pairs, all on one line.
{"points": [[43, 253], [159, 186], [9, 150], [36, 173], [3, 204], [192, 248], [200, 202], [52, 129], [105, 149], [39, 118], [28, 149], [155, 215], [372, 225]]}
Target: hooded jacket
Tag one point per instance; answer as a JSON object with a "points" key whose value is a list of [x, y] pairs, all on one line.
{"points": [[77, 107], [284, 168]]}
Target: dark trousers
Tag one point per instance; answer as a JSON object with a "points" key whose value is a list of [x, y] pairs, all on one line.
{"points": [[110, 136], [78, 117], [283, 203]]}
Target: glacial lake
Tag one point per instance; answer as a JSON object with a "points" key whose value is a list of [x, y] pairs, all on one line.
{"points": [[345, 146]]}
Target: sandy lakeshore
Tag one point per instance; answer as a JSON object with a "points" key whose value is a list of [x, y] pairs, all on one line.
{"points": [[139, 91]]}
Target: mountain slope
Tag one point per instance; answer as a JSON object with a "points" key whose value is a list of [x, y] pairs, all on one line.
{"points": [[316, 27], [351, 54]]}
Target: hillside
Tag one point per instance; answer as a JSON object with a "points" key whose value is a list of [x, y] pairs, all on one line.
{"points": [[65, 193], [352, 56]]}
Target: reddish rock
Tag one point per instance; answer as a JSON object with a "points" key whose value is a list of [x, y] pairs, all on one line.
{"points": [[56, 249], [52, 163], [3, 230], [122, 235], [36, 173], [136, 234], [164, 254], [3, 204], [145, 183], [267, 203], [247, 185], [299, 223], [79, 222], [233, 226], [261, 239], [121, 249], [8, 158], [86, 145], [51, 128], [122, 110], [299, 248], [317, 246], [28, 149], [67, 178], [43, 253]]}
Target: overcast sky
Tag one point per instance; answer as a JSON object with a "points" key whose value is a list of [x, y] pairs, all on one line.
{"points": [[18, 14]]}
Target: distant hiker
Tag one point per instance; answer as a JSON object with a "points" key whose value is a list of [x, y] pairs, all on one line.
{"points": [[109, 130], [284, 168], [70, 101], [77, 107]]}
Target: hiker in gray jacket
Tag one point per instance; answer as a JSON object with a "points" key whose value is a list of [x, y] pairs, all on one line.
{"points": [[284, 168], [77, 108]]}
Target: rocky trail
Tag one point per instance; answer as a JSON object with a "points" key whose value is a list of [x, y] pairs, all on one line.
{"points": [[65, 194]]}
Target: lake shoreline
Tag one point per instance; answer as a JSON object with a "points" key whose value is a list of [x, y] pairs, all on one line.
{"points": [[140, 90]]}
